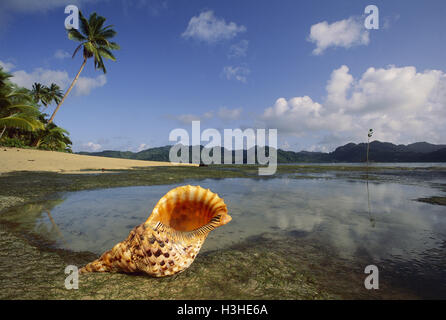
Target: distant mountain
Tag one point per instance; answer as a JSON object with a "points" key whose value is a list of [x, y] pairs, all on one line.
{"points": [[351, 152], [389, 152], [424, 147]]}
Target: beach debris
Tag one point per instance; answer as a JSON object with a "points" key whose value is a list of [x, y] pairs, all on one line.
{"points": [[170, 239]]}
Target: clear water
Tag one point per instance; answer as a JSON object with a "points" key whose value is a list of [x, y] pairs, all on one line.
{"points": [[378, 220]]}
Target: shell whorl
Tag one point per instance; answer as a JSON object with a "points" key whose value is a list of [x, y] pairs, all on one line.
{"points": [[170, 239]]}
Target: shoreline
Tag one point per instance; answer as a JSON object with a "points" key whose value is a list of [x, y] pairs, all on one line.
{"points": [[18, 159]]}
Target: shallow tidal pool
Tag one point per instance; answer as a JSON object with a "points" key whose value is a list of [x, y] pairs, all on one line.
{"points": [[362, 222]]}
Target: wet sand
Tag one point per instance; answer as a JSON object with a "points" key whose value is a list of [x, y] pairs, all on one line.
{"points": [[14, 159]]}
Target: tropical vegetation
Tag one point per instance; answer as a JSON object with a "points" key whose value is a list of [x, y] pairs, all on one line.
{"points": [[22, 121]]}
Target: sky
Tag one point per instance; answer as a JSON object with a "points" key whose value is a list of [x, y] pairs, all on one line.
{"points": [[309, 69]]}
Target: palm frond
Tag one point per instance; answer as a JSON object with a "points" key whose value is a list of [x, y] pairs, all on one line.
{"points": [[74, 34], [85, 26], [106, 54], [21, 121]]}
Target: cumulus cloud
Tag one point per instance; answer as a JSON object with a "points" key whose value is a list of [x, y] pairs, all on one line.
{"points": [[61, 54], [84, 84], [287, 115], [41, 75], [344, 33], [238, 73], [238, 49], [401, 104], [7, 66], [206, 27]]}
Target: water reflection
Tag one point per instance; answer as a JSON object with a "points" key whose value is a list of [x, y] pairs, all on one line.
{"points": [[335, 212]]}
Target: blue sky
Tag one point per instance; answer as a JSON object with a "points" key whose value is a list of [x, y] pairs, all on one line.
{"points": [[307, 68]]}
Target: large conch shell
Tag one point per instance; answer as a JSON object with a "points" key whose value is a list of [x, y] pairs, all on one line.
{"points": [[170, 239]]}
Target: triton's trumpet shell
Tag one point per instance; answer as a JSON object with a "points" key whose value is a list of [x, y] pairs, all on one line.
{"points": [[170, 239]]}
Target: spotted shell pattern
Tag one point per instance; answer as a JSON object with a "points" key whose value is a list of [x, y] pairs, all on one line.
{"points": [[168, 242]]}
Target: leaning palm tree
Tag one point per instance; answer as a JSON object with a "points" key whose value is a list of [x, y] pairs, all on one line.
{"points": [[94, 40]]}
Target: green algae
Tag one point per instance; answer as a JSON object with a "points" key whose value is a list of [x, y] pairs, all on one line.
{"points": [[266, 267]]}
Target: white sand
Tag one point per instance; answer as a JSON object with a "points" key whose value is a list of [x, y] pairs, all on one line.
{"points": [[14, 159]]}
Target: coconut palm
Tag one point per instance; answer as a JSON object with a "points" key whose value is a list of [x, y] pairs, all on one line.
{"points": [[94, 42], [54, 93], [16, 108], [40, 93], [46, 95]]}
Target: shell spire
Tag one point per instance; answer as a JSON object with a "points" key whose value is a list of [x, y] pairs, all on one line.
{"points": [[170, 239]]}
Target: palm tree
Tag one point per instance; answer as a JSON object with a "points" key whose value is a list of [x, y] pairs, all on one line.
{"points": [[54, 93], [94, 40], [40, 93], [46, 95], [16, 109]]}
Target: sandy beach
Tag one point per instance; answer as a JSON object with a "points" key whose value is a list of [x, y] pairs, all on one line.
{"points": [[14, 159]]}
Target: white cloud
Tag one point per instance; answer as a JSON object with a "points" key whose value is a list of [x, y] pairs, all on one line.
{"points": [[206, 27], [7, 66], [61, 54], [229, 114], [239, 49], [399, 103], [295, 116], [84, 84], [90, 147], [238, 73], [344, 33], [41, 75]]}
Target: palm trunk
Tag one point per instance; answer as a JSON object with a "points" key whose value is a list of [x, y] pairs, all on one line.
{"points": [[3, 131], [68, 91]]}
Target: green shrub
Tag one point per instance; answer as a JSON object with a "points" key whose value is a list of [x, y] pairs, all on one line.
{"points": [[12, 142]]}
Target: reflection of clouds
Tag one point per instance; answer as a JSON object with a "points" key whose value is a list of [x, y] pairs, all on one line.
{"points": [[339, 208], [307, 222], [333, 211]]}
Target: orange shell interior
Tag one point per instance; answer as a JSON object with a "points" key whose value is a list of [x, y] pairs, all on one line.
{"points": [[188, 208]]}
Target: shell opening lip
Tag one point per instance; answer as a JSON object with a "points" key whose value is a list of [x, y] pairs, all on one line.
{"points": [[225, 219]]}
